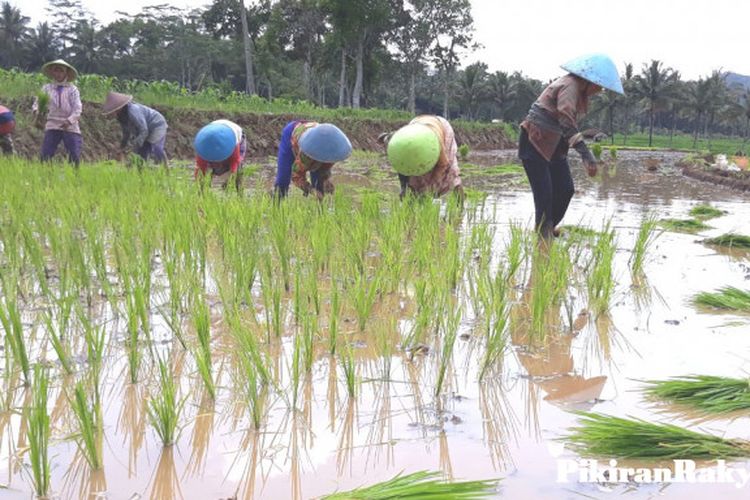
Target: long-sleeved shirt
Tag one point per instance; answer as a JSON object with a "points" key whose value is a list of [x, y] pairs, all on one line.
{"points": [[231, 164], [142, 124], [555, 115], [445, 175], [64, 108]]}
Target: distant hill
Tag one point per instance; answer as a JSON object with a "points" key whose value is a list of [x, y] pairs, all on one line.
{"points": [[735, 80]]}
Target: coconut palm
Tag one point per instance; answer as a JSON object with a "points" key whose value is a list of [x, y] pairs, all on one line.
{"points": [[654, 85], [502, 92], [473, 88], [13, 32], [41, 46]]}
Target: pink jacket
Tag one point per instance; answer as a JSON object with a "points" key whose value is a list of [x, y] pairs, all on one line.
{"points": [[64, 107]]}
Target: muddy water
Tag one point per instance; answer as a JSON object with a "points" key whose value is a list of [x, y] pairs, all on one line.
{"points": [[507, 427]]}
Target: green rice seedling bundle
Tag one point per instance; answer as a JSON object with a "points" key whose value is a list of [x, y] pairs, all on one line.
{"points": [[63, 307], [731, 240], [39, 432], [514, 251], [10, 318], [644, 241], [613, 152], [95, 340], [705, 211], [728, 298], [615, 437], [309, 329], [683, 225], [596, 149], [202, 353], [89, 427], [451, 324], [706, 393], [271, 293], [364, 295], [497, 333], [349, 366], [165, 407], [420, 485], [551, 268]]}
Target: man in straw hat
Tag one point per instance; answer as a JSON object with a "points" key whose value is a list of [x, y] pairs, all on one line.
{"points": [[220, 148], [309, 147], [64, 108], [145, 127], [424, 153]]}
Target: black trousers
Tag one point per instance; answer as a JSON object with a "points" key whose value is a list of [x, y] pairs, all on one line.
{"points": [[551, 184]]}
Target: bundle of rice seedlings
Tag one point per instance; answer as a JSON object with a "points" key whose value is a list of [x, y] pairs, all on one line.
{"points": [[615, 437], [732, 240], [728, 297], [683, 225], [705, 211], [422, 484], [706, 393]]}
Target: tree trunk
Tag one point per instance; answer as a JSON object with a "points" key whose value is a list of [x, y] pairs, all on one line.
{"points": [[306, 74], [412, 105], [446, 80], [650, 125], [359, 63], [342, 79], [246, 42]]}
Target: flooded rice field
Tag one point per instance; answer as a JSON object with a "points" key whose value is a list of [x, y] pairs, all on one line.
{"points": [[322, 348]]}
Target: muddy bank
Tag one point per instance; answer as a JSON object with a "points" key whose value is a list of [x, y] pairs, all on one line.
{"points": [[102, 135], [739, 181]]}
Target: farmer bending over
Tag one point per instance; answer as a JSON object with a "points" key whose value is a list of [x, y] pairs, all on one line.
{"points": [[551, 128], [220, 147], [309, 147], [424, 155], [63, 109], [7, 125], [144, 126]]}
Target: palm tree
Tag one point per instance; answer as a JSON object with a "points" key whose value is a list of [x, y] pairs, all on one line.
{"points": [[13, 31], [473, 88], [502, 92], [654, 85], [41, 46]]}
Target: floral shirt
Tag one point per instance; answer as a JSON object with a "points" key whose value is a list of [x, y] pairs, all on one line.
{"points": [[446, 175]]}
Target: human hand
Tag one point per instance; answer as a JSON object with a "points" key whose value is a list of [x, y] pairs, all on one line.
{"points": [[591, 168]]}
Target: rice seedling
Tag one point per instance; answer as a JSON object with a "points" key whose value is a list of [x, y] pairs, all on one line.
{"points": [[615, 437], [600, 281], [643, 243], [422, 485], [350, 370], [706, 393], [164, 408], [89, 427], [463, 151], [705, 211], [309, 329], [596, 149], [514, 251], [496, 332], [727, 298], [450, 333], [384, 345], [333, 321], [683, 225], [56, 334], [202, 354], [296, 368], [613, 153], [272, 305], [731, 240], [549, 281], [364, 296], [95, 339], [10, 318], [39, 432]]}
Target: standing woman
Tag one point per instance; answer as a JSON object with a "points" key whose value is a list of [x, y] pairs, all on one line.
{"points": [[145, 127], [64, 109], [551, 128], [309, 147]]}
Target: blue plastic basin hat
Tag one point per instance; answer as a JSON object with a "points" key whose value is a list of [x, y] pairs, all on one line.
{"points": [[325, 143], [215, 142], [598, 69]]}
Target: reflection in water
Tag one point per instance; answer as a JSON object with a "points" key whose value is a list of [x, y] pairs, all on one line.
{"points": [[91, 484], [166, 481], [131, 423], [346, 442], [201, 437], [499, 423], [445, 456], [380, 431]]}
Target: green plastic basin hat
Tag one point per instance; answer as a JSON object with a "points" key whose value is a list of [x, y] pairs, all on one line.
{"points": [[413, 149]]}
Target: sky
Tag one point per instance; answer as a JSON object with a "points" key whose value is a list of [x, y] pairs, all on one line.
{"points": [[536, 36]]}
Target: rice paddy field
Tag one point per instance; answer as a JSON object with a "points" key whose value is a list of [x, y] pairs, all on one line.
{"points": [[163, 339]]}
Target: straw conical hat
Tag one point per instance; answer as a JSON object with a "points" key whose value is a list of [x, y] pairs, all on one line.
{"points": [[115, 101], [47, 69]]}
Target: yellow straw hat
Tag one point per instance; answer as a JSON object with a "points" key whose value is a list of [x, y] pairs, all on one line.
{"points": [[47, 69], [115, 101]]}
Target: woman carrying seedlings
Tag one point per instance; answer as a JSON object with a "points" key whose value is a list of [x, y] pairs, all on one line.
{"points": [[61, 102], [424, 155], [220, 147], [551, 128], [7, 125], [145, 127], [309, 147]]}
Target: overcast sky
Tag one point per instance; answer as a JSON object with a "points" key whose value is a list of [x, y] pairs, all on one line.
{"points": [[536, 36]]}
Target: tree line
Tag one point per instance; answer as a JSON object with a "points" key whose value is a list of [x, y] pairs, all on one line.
{"points": [[401, 54]]}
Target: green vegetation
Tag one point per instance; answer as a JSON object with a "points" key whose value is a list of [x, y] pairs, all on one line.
{"points": [[596, 149], [164, 408], [39, 432], [419, 485], [731, 240], [729, 298], [681, 142], [705, 212], [463, 151], [600, 279], [706, 393], [87, 414], [683, 225], [647, 235], [614, 437]]}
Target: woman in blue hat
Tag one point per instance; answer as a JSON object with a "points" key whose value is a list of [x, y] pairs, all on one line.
{"points": [[309, 147], [220, 148], [551, 128]]}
